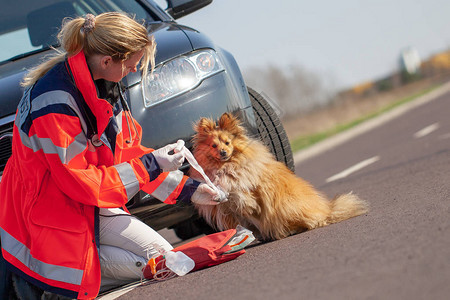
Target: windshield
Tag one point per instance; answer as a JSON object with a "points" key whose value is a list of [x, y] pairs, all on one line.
{"points": [[31, 26]]}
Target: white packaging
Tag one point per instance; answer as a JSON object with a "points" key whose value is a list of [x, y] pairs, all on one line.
{"points": [[178, 262]]}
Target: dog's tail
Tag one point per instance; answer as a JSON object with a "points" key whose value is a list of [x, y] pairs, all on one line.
{"points": [[347, 206]]}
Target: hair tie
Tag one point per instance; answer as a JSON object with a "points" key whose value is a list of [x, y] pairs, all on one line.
{"points": [[89, 23]]}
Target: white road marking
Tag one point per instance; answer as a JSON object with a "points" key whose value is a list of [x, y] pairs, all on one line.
{"points": [[353, 169], [427, 130]]}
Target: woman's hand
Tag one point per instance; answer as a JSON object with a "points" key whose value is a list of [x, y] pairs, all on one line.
{"points": [[168, 162]]}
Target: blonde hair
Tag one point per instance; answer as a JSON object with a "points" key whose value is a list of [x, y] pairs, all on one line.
{"points": [[112, 33]]}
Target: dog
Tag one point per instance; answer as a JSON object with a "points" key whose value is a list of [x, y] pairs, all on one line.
{"points": [[264, 195]]}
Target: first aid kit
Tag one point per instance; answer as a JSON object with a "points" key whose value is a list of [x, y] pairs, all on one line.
{"points": [[207, 251]]}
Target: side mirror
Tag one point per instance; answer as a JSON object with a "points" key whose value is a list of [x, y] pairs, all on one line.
{"points": [[181, 8]]}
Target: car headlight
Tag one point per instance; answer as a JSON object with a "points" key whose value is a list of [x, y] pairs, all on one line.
{"points": [[180, 75]]}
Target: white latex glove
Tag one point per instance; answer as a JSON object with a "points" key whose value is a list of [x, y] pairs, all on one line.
{"points": [[168, 162], [205, 195]]}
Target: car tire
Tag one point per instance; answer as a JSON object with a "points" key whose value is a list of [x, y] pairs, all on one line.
{"points": [[271, 130]]}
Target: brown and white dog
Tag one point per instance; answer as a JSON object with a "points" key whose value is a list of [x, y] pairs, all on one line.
{"points": [[264, 195]]}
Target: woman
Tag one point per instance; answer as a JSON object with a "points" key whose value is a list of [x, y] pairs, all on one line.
{"points": [[77, 160]]}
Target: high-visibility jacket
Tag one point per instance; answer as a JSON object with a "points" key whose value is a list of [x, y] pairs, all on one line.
{"points": [[60, 173]]}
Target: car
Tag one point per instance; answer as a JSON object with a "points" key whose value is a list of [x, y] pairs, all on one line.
{"points": [[193, 78]]}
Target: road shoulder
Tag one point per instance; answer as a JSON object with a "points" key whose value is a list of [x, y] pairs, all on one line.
{"points": [[342, 137]]}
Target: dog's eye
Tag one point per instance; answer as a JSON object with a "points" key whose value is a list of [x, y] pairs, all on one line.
{"points": [[214, 145], [227, 143]]}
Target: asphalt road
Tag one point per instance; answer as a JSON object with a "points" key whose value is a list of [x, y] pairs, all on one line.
{"points": [[399, 250]]}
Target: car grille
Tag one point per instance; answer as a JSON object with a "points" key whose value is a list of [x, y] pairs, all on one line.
{"points": [[5, 145]]}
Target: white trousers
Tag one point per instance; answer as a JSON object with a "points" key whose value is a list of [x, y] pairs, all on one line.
{"points": [[126, 244]]}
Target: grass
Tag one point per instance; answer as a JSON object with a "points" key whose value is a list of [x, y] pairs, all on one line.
{"points": [[305, 141]]}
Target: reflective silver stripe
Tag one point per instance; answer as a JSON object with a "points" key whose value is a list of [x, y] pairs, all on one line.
{"points": [[168, 185], [34, 142], [119, 122], [65, 154], [49, 271], [25, 139], [105, 141], [129, 179], [58, 97]]}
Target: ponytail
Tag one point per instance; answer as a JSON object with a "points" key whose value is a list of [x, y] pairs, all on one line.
{"points": [[114, 34]]}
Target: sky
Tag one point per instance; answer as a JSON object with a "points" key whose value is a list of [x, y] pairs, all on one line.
{"points": [[351, 41]]}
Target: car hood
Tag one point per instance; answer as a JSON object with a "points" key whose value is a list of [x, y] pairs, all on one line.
{"points": [[171, 41]]}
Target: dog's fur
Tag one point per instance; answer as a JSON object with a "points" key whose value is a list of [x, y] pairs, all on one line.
{"points": [[264, 195]]}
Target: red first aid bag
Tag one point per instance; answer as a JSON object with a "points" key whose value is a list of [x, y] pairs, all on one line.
{"points": [[211, 250], [207, 251]]}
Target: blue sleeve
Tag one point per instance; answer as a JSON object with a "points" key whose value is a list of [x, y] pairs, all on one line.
{"points": [[189, 188], [151, 165]]}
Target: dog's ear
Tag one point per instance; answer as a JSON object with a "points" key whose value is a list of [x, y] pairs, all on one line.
{"points": [[231, 124], [204, 126]]}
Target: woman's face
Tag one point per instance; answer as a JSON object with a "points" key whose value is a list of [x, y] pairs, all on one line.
{"points": [[116, 70]]}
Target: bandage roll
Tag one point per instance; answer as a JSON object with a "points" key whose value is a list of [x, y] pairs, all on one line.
{"points": [[194, 164]]}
